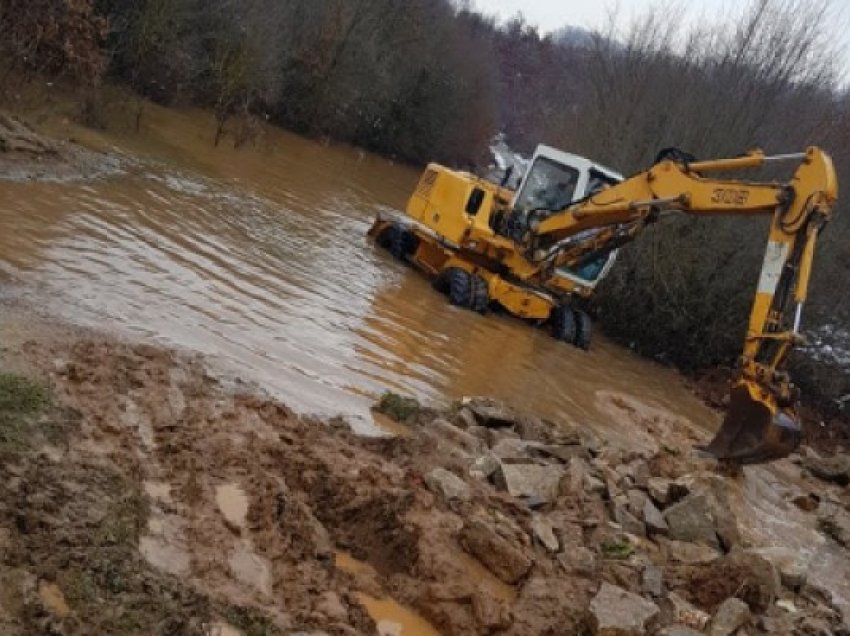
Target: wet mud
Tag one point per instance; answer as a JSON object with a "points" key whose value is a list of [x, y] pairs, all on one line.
{"points": [[167, 495]]}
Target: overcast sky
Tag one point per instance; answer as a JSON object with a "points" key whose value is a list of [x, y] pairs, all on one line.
{"points": [[553, 14]]}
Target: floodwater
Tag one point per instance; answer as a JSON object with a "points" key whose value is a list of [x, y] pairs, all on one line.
{"points": [[259, 259]]}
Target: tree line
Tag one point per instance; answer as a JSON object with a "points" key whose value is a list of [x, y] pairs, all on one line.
{"points": [[425, 80]]}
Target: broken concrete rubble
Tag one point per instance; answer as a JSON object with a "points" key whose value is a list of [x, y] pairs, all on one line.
{"points": [[691, 520], [447, 484], [529, 480], [732, 614], [615, 611]]}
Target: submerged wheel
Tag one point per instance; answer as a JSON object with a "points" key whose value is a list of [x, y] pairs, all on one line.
{"points": [[479, 297], [584, 330], [563, 324], [459, 285], [386, 238], [403, 242]]}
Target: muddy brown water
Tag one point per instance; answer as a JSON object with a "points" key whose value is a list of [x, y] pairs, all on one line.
{"points": [[259, 259]]}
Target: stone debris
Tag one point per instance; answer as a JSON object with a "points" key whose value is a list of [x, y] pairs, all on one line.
{"points": [[688, 553], [732, 614], [654, 520], [691, 520], [529, 480], [792, 566], [618, 612], [448, 485], [652, 581], [544, 533], [834, 521], [686, 614], [831, 469]]}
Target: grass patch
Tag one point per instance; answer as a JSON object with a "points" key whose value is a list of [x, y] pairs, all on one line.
{"points": [[21, 396], [617, 549], [21, 402], [398, 407]]}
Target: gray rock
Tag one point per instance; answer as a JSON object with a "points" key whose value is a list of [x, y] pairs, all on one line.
{"points": [[491, 413], [628, 521], [637, 500], [666, 491], [732, 614], [835, 522], [791, 565], [638, 472], [654, 520], [465, 418], [691, 520], [510, 448], [686, 614], [505, 560], [529, 480], [579, 561], [544, 533], [484, 467], [447, 484], [617, 612], [468, 442], [832, 469], [688, 553], [564, 453], [652, 581], [678, 630]]}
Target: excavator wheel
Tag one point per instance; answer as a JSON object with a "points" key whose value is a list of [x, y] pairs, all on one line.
{"points": [[459, 285], [387, 236], [563, 324], [402, 243], [479, 297], [584, 330]]}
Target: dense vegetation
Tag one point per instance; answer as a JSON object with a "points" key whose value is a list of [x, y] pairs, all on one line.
{"points": [[434, 79]]}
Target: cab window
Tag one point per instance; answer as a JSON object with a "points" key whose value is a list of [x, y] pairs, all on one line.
{"points": [[548, 186]]}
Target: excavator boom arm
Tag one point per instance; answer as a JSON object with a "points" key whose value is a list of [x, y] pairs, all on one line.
{"points": [[762, 422]]}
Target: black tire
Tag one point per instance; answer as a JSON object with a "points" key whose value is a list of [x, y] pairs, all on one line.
{"points": [[387, 237], [563, 323], [404, 243], [584, 331], [479, 298], [460, 287]]}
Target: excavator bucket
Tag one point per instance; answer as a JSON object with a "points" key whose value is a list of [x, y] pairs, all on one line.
{"points": [[754, 432]]}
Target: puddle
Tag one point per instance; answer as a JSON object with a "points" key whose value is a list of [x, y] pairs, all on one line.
{"points": [[394, 619], [233, 504], [344, 561]]}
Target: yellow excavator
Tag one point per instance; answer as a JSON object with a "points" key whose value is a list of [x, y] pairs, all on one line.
{"points": [[539, 250]]}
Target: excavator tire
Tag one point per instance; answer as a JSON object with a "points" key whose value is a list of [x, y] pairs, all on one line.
{"points": [[403, 243], [385, 239], [460, 287], [479, 297], [584, 330], [563, 324]]}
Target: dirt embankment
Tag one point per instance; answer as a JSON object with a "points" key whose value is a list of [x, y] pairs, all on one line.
{"points": [[26, 155], [141, 495]]}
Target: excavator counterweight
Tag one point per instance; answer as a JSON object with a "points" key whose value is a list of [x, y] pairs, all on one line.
{"points": [[540, 250]]}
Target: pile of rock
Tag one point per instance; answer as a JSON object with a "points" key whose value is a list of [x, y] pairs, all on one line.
{"points": [[664, 553]]}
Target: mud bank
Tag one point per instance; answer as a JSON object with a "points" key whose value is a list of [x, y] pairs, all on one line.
{"points": [[27, 155], [146, 495]]}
